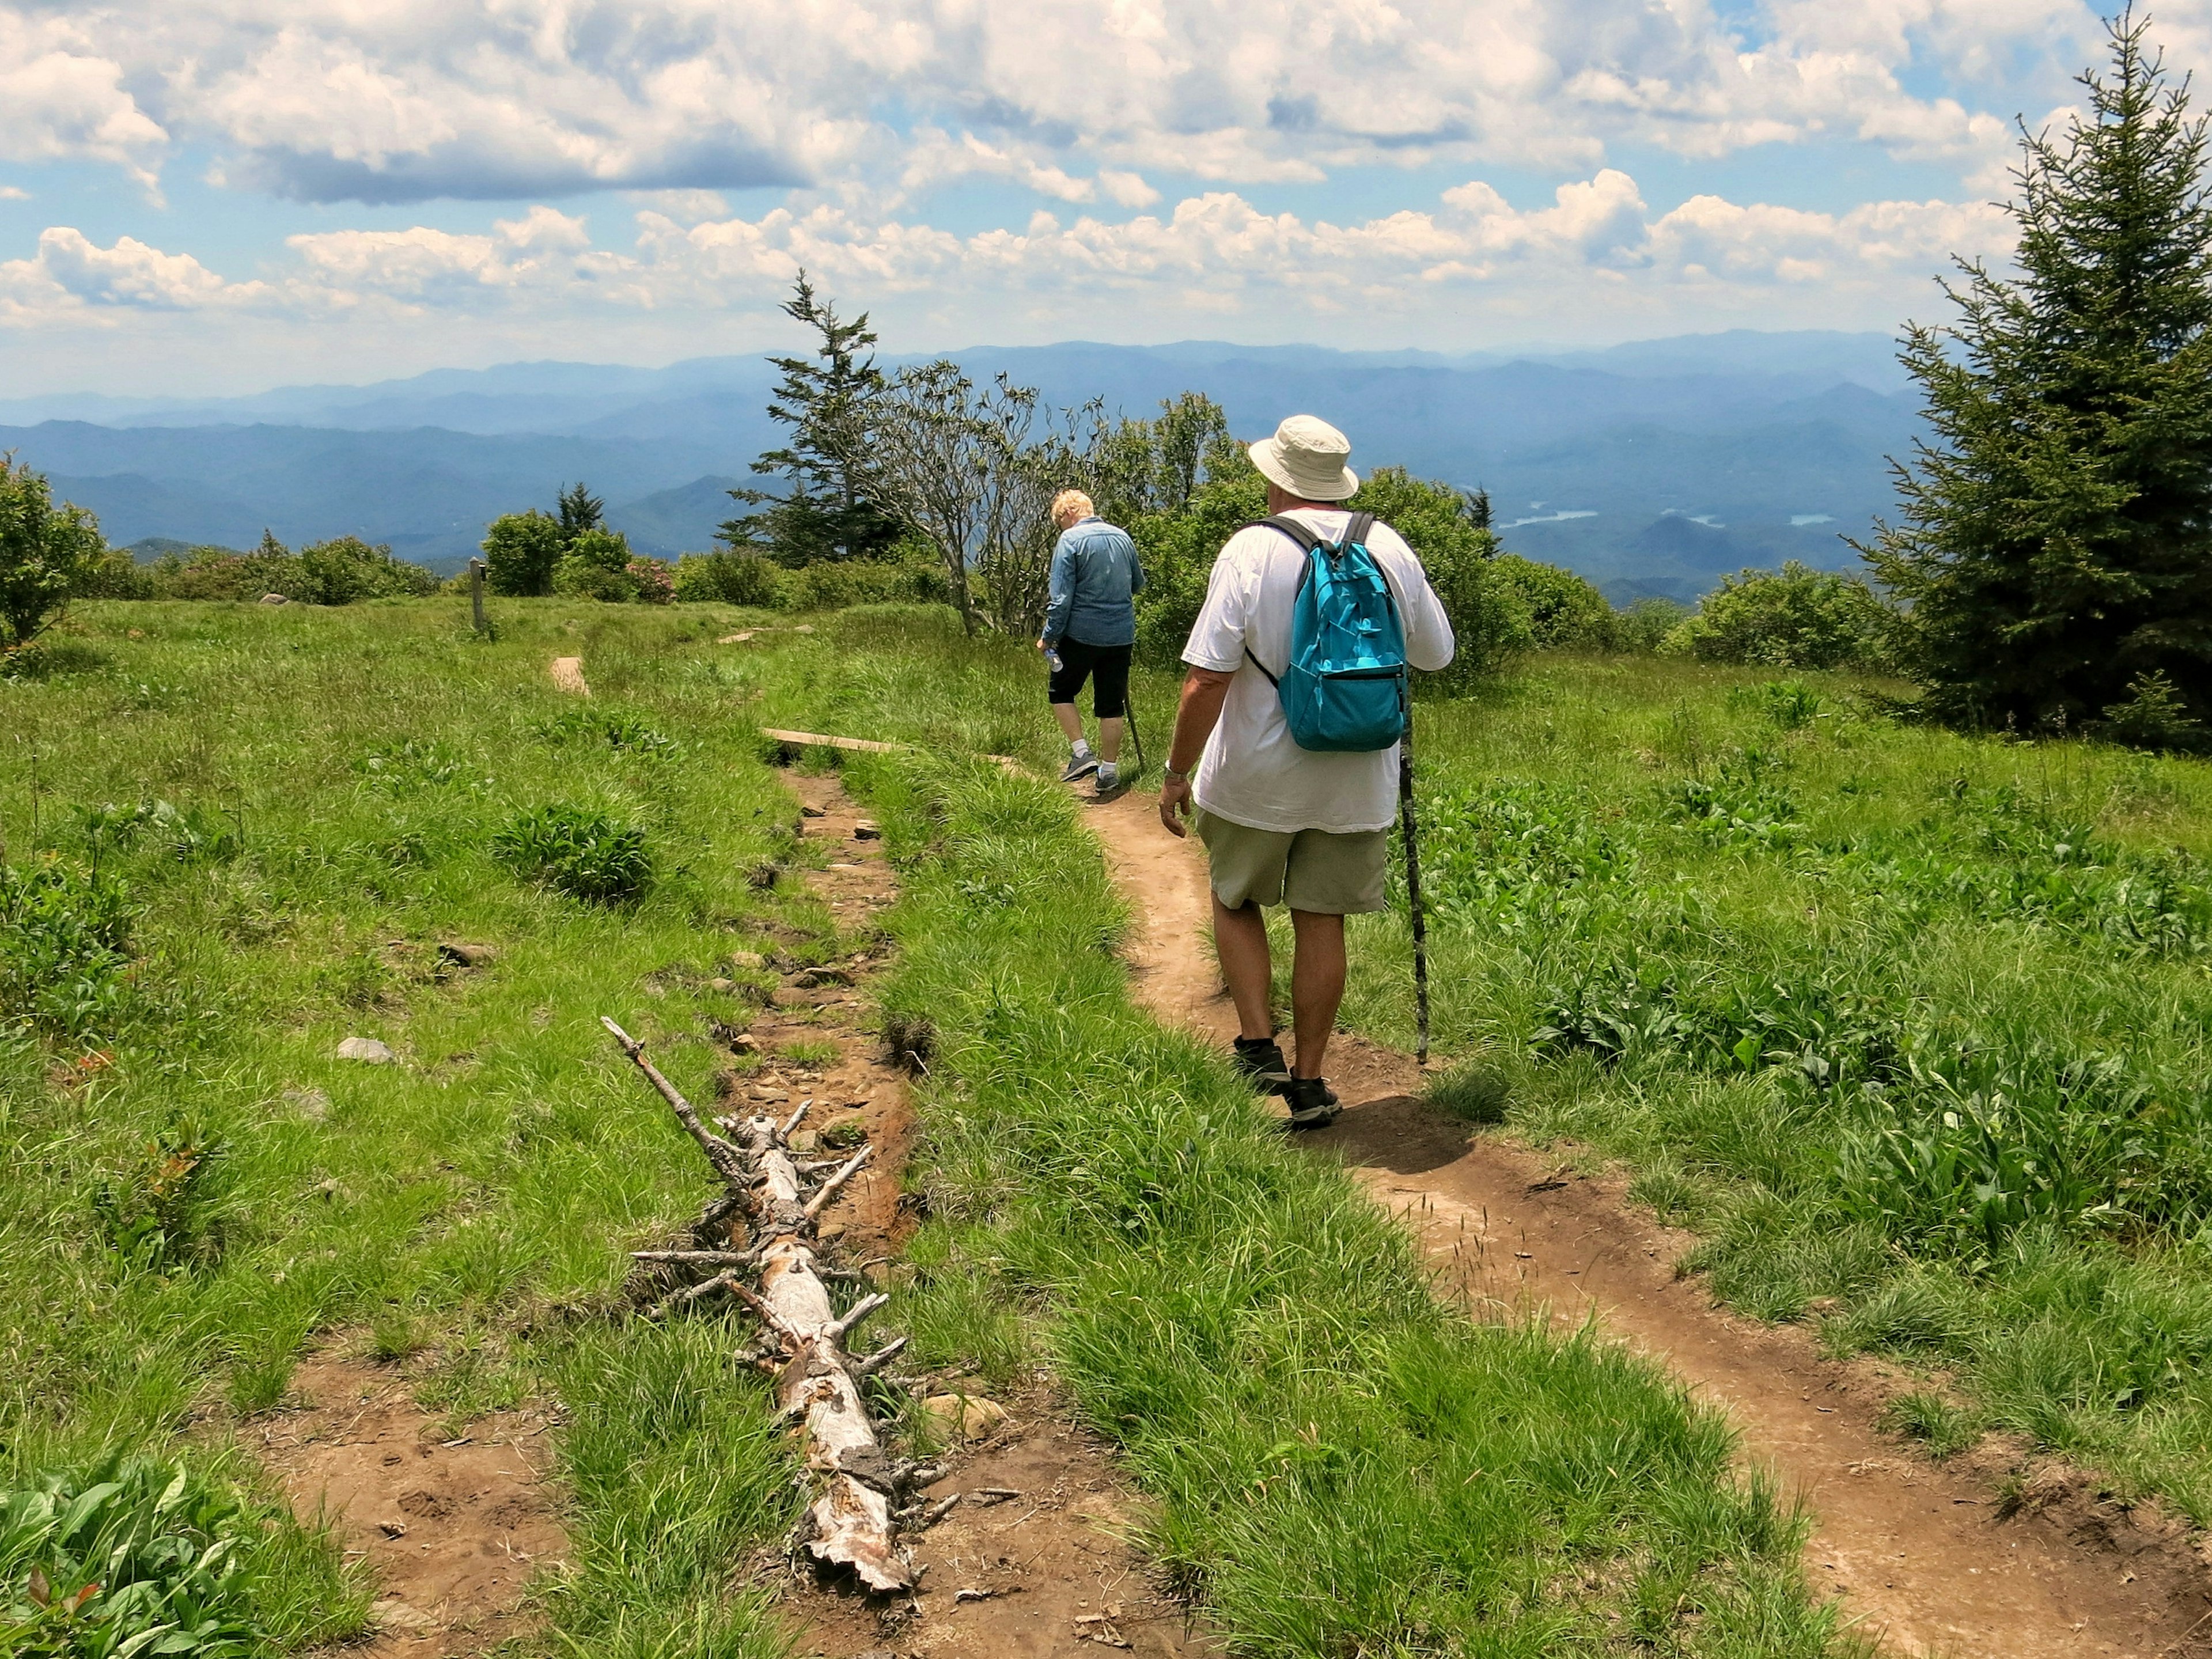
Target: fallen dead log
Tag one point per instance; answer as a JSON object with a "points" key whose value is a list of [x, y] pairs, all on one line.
{"points": [[861, 1494]]}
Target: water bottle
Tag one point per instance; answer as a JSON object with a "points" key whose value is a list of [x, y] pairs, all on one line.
{"points": [[1051, 661]]}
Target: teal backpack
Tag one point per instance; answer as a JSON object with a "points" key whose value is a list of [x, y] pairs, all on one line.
{"points": [[1344, 689]]}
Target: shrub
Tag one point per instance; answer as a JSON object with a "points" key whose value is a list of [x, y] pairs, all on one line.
{"points": [[1645, 625], [130, 1556], [656, 582], [116, 576], [46, 553], [582, 853], [726, 578], [347, 568], [1564, 611], [1489, 621], [580, 578], [64, 951], [520, 551], [2153, 715], [1795, 617], [164, 1211]]}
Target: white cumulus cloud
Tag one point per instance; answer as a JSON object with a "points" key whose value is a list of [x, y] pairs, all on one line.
{"points": [[394, 101]]}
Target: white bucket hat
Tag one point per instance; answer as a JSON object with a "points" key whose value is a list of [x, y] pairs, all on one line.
{"points": [[1306, 456]]}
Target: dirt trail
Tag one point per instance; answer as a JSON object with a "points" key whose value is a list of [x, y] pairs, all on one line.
{"points": [[1033, 1562], [1914, 1549]]}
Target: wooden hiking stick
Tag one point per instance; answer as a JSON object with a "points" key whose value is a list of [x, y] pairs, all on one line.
{"points": [[1414, 888]]}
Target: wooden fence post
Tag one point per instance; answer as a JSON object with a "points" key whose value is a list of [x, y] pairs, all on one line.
{"points": [[475, 594]]}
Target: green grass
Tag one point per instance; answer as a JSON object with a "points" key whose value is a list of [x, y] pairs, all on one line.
{"points": [[1910, 1025], [1340, 1464], [240, 835], [237, 836]]}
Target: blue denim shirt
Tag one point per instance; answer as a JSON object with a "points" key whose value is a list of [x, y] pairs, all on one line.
{"points": [[1094, 574]]}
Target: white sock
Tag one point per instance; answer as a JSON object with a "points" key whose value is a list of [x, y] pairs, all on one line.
{"points": [[1081, 747], [1108, 772]]}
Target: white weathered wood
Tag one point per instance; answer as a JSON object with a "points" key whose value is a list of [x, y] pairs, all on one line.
{"points": [[853, 1521]]}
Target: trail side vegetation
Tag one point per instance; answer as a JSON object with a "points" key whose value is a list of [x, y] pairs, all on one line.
{"points": [[255, 826], [1908, 1025]]}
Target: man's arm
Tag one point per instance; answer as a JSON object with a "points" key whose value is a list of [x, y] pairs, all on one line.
{"points": [[1204, 692]]}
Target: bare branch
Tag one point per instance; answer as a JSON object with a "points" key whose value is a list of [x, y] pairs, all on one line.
{"points": [[729, 1161]]}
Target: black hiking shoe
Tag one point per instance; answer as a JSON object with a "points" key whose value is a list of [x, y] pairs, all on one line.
{"points": [[1313, 1103], [1079, 766], [1105, 788], [1260, 1060]]}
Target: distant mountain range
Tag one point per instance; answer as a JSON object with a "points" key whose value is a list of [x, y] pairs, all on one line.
{"points": [[1651, 468]]}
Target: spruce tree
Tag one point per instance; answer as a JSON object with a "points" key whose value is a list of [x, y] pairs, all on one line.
{"points": [[2055, 549], [825, 511], [580, 510]]}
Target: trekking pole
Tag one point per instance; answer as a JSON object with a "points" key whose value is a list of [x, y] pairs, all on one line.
{"points": [[1136, 742], [1414, 890]]}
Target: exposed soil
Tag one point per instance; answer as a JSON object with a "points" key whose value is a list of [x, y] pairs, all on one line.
{"points": [[568, 674], [1047, 1569], [1917, 1552], [453, 1529]]}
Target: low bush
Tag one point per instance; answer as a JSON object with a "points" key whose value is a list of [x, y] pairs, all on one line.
{"points": [[580, 852], [47, 553], [1795, 617], [130, 1557], [1564, 611], [521, 551], [726, 577], [65, 952], [164, 1211], [341, 571]]}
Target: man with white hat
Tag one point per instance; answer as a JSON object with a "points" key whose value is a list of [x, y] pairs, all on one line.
{"points": [[1284, 825]]}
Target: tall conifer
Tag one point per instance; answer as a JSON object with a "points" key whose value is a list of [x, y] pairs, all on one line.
{"points": [[825, 511], [2056, 551]]}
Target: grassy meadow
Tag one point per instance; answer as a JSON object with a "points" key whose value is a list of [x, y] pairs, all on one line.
{"points": [[236, 836], [1911, 1027]]}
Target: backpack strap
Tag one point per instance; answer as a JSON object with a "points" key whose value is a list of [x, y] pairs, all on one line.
{"points": [[1309, 541]]}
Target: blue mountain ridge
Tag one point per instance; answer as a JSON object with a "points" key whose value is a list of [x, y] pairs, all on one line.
{"points": [[1652, 467]]}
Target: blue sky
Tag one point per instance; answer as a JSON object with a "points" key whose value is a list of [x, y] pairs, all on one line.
{"points": [[204, 196]]}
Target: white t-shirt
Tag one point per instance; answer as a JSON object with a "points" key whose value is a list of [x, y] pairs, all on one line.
{"points": [[1253, 773]]}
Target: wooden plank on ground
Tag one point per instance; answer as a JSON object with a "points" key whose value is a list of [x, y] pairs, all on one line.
{"points": [[817, 740]]}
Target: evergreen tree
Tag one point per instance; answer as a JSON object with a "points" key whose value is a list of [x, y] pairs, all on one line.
{"points": [[2056, 551], [580, 510], [826, 510]]}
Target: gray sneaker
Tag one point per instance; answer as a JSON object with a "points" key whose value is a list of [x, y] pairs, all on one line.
{"points": [[1079, 766], [1108, 783]]}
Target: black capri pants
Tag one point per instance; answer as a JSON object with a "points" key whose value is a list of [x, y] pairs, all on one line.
{"points": [[1106, 665]]}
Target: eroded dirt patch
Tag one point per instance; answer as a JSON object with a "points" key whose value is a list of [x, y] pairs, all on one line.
{"points": [[451, 1525], [1038, 1540], [1033, 1561], [1915, 1550]]}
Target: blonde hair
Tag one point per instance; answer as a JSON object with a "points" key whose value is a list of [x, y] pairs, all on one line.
{"points": [[1071, 503]]}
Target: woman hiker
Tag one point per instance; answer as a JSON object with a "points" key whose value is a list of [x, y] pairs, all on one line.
{"points": [[1090, 630]]}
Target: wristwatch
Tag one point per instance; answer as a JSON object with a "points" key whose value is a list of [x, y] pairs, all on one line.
{"points": [[1174, 777]]}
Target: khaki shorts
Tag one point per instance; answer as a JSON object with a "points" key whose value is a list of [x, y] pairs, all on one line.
{"points": [[1311, 870]]}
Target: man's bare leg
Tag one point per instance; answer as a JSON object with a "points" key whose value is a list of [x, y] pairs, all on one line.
{"points": [[1240, 940], [1069, 722], [1109, 738], [1317, 985]]}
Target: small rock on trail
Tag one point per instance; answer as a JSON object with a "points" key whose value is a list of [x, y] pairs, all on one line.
{"points": [[368, 1050]]}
